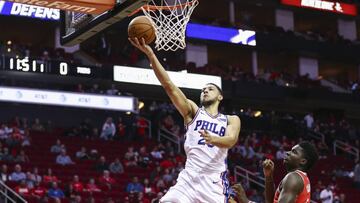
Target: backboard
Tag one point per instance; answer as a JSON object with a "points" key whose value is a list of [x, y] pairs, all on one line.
{"points": [[76, 27]]}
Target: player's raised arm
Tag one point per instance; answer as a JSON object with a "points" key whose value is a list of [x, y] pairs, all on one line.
{"points": [[186, 107], [292, 186], [231, 134]]}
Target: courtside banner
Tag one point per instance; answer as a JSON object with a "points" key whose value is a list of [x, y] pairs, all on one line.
{"points": [[17, 9], [148, 77], [324, 5], [81, 6], [45, 97]]}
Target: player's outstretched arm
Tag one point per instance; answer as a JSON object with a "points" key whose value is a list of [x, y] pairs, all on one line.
{"points": [[268, 168], [231, 134], [186, 107], [292, 186]]}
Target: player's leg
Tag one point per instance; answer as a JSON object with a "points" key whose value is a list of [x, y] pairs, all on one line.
{"points": [[182, 191], [213, 188]]}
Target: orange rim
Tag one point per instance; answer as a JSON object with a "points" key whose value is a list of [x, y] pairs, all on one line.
{"points": [[154, 8]]}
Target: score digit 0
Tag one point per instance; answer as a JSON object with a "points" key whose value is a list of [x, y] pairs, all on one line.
{"points": [[63, 68]]}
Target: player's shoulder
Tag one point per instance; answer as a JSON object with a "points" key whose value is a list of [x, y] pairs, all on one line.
{"points": [[233, 119], [293, 179]]}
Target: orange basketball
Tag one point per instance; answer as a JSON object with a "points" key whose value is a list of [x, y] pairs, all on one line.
{"points": [[141, 27]]}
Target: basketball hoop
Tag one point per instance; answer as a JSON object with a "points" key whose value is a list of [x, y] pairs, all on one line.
{"points": [[170, 18]]}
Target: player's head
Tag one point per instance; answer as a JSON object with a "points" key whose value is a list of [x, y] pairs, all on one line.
{"points": [[302, 156], [211, 94]]}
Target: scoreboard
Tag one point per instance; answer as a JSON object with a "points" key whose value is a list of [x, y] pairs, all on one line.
{"points": [[54, 67]]}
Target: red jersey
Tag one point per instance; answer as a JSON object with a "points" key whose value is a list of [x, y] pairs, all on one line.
{"points": [[304, 196]]}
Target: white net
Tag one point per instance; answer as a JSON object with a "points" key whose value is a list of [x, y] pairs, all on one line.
{"points": [[170, 18]]}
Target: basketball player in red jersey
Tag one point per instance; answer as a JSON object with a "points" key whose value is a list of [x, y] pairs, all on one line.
{"points": [[295, 186]]}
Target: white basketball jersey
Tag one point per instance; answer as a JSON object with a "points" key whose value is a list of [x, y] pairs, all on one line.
{"points": [[200, 156]]}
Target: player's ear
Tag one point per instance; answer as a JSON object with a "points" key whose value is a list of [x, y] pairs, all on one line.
{"points": [[220, 97], [303, 162]]}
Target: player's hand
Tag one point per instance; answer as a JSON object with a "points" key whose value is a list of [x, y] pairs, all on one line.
{"points": [[207, 137], [141, 45], [240, 193], [268, 167]]}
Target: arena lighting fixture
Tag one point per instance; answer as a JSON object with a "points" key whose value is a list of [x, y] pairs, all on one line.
{"points": [[141, 105], [9, 42], [257, 114]]}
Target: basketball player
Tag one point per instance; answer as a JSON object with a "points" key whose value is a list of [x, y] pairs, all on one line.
{"points": [[295, 186], [208, 137]]}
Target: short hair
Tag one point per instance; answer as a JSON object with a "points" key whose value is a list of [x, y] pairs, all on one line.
{"points": [[310, 154], [217, 87]]}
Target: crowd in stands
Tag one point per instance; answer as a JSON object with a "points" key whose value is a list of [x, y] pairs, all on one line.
{"points": [[162, 159]]}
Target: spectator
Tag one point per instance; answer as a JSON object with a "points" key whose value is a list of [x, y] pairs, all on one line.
{"points": [[121, 129], [22, 157], [158, 197], [4, 173], [144, 157], [5, 131], [156, 153], [106, 180], [167, 177], [155, 174], [7, 157], [326, 195], [16, 138], [280, 154], [134, 186], [76, 199], [69, 192], [35, 175], [17, 175], [82, 155], [92, 187], [37, 126], [22, 189], [167, 163], [116, 167], [57, 148], [55, 192], [38, 191], [160, 185], [64, 159], [49, 177], [131, 157], [141, 198], [85, 128], [76, 184], [357, 175], [141, 125], [148, 189], [108, 129], [309, 120], [30, 183], [179, 167], [94, 154], [101, 165], [323, 150]]}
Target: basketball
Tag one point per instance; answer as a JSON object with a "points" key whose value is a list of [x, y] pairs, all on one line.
{"points": [[141, 27]]}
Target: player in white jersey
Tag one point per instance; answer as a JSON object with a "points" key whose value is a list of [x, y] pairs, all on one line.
{"points": [[209, 136]]}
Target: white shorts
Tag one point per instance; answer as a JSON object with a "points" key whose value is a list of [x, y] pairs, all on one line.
{"points": [[192, 187]]}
